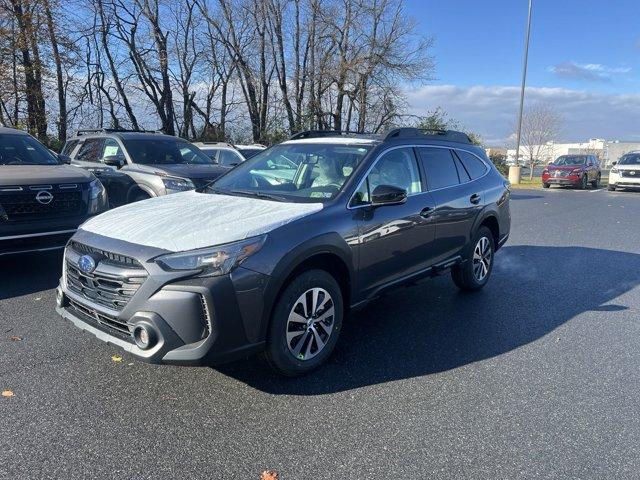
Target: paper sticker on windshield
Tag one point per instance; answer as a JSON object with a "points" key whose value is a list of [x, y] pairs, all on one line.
{"points": [[320, 195], [110, 150]]}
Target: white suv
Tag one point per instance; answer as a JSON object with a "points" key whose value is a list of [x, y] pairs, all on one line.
{"points": [[625, 172], [221, 153]]}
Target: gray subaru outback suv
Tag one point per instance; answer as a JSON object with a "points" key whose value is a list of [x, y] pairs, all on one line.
{"points": [[251, 264], [136, 165]]}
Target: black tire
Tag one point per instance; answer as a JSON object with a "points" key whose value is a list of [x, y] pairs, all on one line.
{"points": [[545, 185], [583, 183], [138, 197], [611, 188], [278, 350], [463, 275], [596, 182]]}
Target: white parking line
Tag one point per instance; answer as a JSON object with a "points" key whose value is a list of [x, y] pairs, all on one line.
{"points": [[598, 190]]}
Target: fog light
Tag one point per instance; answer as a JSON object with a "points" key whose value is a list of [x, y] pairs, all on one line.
{"points": [[144, 337]]}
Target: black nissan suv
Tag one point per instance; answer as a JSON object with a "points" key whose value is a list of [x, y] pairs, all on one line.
{"points": [[136, 165], [272, 255], [42, 200]]}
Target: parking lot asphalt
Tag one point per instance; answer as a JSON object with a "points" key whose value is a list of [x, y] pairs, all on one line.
{"points": [[534, 377]]}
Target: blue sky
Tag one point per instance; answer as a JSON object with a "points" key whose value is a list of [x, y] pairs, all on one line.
{"points": [[584, 58]]}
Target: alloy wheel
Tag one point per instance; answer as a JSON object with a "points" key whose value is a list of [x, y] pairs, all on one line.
{"points": [[310, 323], [482, 256]]}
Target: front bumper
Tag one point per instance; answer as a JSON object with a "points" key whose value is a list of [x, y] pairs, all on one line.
{"points": [[617, 180], [194, 321], [571, 180]]}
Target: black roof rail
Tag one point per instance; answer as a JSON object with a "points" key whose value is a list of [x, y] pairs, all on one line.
{"points": [[330, 133], [89, 131], [435, 134]]}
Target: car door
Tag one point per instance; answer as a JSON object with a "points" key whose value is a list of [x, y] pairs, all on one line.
{"points": [[115, 180], [394, 241], [457, 194]]}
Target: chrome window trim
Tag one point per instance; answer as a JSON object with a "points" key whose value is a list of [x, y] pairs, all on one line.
{"points": [[384, 152]]}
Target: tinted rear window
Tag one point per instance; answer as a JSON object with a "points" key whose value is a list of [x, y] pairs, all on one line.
{"points": [[472, 164], [439, 167]]}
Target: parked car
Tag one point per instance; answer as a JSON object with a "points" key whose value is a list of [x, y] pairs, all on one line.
{"points": [[251, 150], [246, 265], [137, 165], [42, 200], [625, 172], [221, 153], [573, 170]]}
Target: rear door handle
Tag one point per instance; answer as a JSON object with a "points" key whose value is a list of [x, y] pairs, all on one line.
{"points": [[426, 212], [475, 198]]}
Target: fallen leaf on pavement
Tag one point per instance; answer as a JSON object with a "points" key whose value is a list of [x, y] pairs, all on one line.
{"points": [[15, 338], [116, 358], [269, 475], [7, 393]]}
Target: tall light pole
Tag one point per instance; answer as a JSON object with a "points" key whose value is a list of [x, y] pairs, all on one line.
{"points": [[514, 172]]}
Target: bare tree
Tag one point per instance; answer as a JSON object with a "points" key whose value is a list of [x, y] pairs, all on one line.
{"points": [[540, 127]]}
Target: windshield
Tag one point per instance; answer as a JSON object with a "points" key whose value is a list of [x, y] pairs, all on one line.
{"points": [[633, 159], [571, 160], [294, 172], [24, 150], [165, 151]]}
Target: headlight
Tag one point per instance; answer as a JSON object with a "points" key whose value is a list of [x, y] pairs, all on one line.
{"points": [[212, 261], [174, 185], [576, 171], [614, 170], [97, 197]]}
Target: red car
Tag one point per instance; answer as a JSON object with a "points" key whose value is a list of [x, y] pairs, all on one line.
{"points": [[573, 170]]}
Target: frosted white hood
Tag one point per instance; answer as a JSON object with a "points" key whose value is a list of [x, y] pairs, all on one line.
{"points": [[190, 220]]}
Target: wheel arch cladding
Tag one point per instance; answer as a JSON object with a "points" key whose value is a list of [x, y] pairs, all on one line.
{"points": [[326, 260], [491, 222]]}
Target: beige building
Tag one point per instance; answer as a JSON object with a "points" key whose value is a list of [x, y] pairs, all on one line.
{"points": [[607, 151]]}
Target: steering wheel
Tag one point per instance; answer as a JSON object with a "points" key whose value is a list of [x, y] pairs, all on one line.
{"points": [[16, 161]]}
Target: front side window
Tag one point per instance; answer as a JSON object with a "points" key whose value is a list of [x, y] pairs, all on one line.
{"points": [[296, 172], [112, 149], [397, 168], [91, 150], [24, 150], [164, 151], [439, 167]]}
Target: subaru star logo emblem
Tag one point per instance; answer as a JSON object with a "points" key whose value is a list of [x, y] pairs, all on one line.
{"points": [[87, 264], [44, 197]]}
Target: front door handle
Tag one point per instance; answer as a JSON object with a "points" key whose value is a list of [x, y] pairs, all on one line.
{"points": [[426, 212], [475, 198]]}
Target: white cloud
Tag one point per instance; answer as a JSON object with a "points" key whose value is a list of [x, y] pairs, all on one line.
{"points": [[491, 110], [595, 72]]}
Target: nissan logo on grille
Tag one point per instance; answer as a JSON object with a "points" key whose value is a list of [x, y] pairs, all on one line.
{"points": [[44, 197]]}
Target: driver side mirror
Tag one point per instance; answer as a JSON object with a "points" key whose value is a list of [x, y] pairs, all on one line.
{"points": [[113, 161], [64, 159], [388, 195], [615, 162]]}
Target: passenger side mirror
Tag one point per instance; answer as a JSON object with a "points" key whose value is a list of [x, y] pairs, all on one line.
{"points": [[113, 161], [64, 159], [388, 195], [615, 162]]}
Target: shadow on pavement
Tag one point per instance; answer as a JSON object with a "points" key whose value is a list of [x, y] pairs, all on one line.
{"points": [[431, 328], [29, 273], [523, 196]]}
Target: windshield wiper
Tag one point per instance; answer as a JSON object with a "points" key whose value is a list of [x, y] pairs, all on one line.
{"points": [[251, 193]]}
